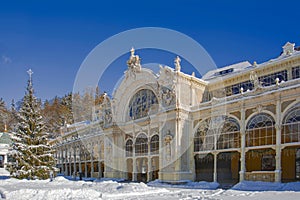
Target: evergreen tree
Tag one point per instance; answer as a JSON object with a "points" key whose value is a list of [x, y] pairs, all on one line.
{"points": [[13, 120], [4, 116], [30, 150]]}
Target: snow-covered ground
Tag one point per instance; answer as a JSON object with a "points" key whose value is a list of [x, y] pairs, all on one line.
{"points": [[62, 188]]}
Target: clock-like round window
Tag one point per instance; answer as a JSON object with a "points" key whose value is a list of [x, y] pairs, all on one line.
{"points": [[142, 104]]}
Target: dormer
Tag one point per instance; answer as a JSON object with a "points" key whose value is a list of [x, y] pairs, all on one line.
{"points": [[224, 72], [288, 48]]}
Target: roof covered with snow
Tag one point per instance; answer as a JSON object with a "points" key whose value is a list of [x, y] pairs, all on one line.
{"points": [[289, 51], [5, 138], [228, 70]]}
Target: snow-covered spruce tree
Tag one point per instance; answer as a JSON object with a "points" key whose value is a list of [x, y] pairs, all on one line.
{"points": [[30, 151]]}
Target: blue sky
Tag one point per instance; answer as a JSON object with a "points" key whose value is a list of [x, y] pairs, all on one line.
{"points": [[54, 37]]}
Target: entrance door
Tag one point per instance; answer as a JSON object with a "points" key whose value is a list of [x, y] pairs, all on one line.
{"points": [[1, 161], [224, 167], [298, 164], [204, 167], [129, 169]]}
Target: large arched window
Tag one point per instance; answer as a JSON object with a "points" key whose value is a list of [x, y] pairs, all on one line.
{"points": [[291, 125], [143, 103], [154, 144], [141, 145], [224, 129], [204, 137], [229, 134], [129, 148], [260, 130]]}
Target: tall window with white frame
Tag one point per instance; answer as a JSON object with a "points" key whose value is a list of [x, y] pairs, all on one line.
{"points": [[154, 145], [129, 148], [141, 145], [260, 130], [291, 125]]}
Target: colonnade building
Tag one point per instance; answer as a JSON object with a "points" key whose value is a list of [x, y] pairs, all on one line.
{"points": [[239, 122]]}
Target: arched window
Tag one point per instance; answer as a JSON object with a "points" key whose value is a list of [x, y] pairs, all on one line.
{"points": [[291, 125], [230, 125], [142, 104], [129, 148], [223, 128], [141, 145], [260, 130], [229, 134], [260, 120], [204, 137], [154, 144], [198, 141]]}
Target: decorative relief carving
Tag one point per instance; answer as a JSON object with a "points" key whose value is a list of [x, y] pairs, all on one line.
{"points": [[167, 96], [167, 140], [259, 109], [166, 75], [277, 126]]}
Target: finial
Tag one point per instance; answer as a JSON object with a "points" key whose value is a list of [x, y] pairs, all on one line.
{"points": [[177, 64], [30, 72], [132, 51]]}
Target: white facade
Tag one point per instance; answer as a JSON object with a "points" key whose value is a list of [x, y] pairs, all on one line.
{"points": [[240, 122]]}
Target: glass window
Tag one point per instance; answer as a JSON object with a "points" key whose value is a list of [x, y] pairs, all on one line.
{"points": [[268, 162], [236, 88], [291, 126], [260, 120], [230, 134], [141, 145], [260, 130], [129, 148], [204, 138], [224, 72], [271, 78], [154, 144], [296, 72], [142, 104]]}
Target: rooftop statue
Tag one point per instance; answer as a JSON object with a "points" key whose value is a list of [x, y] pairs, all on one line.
{"points": [[177, 64], [134, 62]]}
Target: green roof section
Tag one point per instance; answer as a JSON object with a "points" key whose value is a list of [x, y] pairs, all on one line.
{"points": [[5, 138]]}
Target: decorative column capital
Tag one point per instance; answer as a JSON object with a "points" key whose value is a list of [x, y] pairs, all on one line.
{"points": [[278, 127]]}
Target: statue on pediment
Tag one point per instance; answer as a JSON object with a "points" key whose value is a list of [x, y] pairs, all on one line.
{"points": [[177, 64], [134, 63]]}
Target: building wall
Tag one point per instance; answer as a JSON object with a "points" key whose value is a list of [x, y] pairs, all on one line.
{"points": [[184, 109]]}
